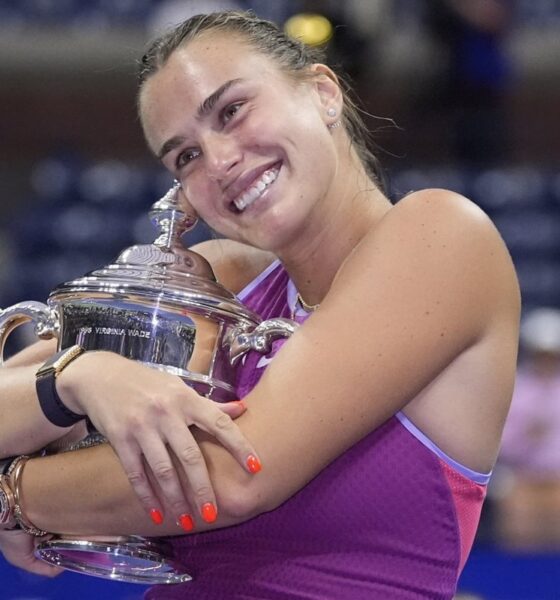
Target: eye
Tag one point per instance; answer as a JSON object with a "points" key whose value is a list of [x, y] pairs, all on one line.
{"points": [[230, 111], [186, 156]]}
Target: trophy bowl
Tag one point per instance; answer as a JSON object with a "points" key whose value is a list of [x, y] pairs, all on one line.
{"points": [[159, 304]]}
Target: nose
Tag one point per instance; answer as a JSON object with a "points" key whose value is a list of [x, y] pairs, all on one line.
{"points": [[222, 152]]}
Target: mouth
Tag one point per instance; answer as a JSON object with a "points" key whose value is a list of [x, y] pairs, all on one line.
{"points": [[256, 190]]}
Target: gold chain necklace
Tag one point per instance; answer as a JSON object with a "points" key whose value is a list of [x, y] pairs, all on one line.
{"points": [[306, 307]]}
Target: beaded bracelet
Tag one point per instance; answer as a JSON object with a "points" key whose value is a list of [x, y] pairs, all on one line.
{"points": [[5, 464]]}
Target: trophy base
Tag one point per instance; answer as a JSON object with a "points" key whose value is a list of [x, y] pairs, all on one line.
{"points": [[131, 559]]}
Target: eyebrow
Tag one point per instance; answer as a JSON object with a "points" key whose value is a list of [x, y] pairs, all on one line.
{"points": [[210, 102], [204, 109]]}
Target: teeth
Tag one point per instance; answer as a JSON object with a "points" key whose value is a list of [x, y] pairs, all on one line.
{"points": [[256, 190]]}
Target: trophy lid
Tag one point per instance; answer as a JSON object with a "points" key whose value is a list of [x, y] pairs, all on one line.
{"points": [[163, 271]]}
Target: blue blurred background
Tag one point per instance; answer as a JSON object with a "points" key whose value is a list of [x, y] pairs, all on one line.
{"points": [[462, 95]]}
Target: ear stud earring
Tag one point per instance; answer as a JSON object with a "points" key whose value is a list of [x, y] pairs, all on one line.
{"points": [[331, 112]]}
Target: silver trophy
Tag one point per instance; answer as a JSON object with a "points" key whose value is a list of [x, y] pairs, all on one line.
{"points": [[159, 304]]}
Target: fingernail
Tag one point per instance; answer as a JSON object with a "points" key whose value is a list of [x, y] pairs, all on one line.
{"points": [[241, 404], [253, 464], [186, 522], [209, 512], [156, 516]]}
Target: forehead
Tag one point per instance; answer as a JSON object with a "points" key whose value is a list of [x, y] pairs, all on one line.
{"points": [[214, 55], [197, 69]]}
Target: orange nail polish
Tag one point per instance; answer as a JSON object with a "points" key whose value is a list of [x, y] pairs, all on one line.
{"points": [[209, 512], [156, 516], [253, 464], [186, 522]]}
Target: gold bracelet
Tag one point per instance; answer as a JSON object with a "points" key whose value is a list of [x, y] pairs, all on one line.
{"points": [[14, 473]]}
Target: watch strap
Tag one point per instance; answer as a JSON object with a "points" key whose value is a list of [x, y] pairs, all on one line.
{"points": [[45, 383]]}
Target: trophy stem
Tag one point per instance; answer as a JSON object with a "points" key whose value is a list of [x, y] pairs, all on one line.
{"points": [[170, 218]]}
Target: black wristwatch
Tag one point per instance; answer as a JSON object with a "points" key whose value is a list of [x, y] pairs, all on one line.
{"points": [[51, 404]]}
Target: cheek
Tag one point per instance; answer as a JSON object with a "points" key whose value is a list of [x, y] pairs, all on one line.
{"points": [[204, 197], [197, 189], [256, 132]]}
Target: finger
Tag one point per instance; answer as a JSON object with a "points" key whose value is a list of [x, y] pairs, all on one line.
{"points": [[40, 567], [135, 469], [158, 458], [18, 549], [197, 479], [185, 519], [219, 424], [234, 409], [34, 565]]}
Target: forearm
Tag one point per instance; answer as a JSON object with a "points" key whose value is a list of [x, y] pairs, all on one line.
{"points": [[86, 492], [81, 492], [23, 426]]}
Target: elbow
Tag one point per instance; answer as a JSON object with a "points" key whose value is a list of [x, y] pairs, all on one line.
{"points": [[242, 500]]}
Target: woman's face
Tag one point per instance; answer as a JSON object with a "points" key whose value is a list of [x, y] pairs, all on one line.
{"points": [[250, 146]]}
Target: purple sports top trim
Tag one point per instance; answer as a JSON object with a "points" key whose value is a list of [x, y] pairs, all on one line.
{"points": [[481, 478], [253, 284]]}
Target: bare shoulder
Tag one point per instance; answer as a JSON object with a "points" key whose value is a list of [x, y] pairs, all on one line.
{"points": [[438, 292], [234, 264], [433, 212], [443, 238]]}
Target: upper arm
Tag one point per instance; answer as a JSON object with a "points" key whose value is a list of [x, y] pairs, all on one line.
{"points": [[234, 264], [419, 291]]}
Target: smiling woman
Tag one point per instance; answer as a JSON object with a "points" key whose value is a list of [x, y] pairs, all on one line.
{"points": [[367, 439], [243, 137]]}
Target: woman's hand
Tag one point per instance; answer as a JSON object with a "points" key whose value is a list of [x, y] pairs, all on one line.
{"points": [[19, 548], [146, 414]]}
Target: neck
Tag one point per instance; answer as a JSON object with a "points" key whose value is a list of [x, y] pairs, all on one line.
{"points": [[314, 263]]}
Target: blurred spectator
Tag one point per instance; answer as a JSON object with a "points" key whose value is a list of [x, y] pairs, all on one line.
{"points": [[472, 86], [528, 500]]}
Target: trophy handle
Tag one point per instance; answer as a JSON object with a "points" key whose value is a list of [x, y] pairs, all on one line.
{"points": [[261, 338], [45, 318]]}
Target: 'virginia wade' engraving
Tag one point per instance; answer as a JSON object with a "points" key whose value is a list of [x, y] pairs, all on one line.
{"points": [[116, 331]]}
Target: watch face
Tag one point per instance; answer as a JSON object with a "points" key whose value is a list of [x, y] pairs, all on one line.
{"points": [[4, 504]]}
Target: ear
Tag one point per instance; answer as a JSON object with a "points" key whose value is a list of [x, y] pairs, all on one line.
{"points": [[329, 93]]}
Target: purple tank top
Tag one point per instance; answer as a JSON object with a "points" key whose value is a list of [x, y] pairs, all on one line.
{"points": [[392, 518]]}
